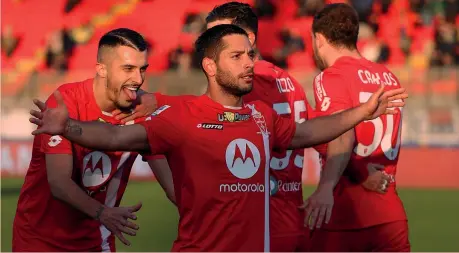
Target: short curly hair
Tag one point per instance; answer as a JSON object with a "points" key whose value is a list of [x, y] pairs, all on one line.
{"points": [[339, 24]]}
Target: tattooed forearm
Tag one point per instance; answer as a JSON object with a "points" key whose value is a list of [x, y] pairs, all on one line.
{"points": [[103, 136], [72, 128]]}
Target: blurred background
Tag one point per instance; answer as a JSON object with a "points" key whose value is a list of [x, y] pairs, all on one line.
{"points": [[45, 43]]}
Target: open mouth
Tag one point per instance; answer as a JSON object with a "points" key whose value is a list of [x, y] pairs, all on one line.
{"points": [[131, 92], [248, 77]]}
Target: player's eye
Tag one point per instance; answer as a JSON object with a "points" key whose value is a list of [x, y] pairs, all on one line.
{"points": [[236, 56]]}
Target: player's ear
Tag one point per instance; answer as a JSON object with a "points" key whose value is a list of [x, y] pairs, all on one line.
{"points": [[209, 66], [101, 70], [252, 38]]}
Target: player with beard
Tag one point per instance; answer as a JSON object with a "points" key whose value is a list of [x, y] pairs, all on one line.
{"points": [[217, 145], [71, 195], [286, 96], [363, 220]]}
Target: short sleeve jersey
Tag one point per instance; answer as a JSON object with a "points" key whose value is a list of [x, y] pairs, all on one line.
{"points": [[218, 157], [346, 84], [102, 175]]}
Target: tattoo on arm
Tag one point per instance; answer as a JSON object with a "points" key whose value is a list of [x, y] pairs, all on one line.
{"points": [[73, 129]]}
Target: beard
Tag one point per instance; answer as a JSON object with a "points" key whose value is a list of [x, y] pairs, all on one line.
{"points": [[229, 84]]}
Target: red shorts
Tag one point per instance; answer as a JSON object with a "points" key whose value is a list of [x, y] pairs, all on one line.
{"points": [[293, 243], [389, 237]]}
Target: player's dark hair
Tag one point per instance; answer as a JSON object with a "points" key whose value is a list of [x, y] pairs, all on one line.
{"points": [[123, 37], [241, 14], [210, 43], [339, 24]]}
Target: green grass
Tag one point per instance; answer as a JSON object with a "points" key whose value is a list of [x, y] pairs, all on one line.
{"points": [[433, 217]]}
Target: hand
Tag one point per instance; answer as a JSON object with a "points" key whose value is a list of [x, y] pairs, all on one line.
{"points": [[50, 121], [116, 220], [381, 101], [377, 179], [146, 106], [318, 206]]}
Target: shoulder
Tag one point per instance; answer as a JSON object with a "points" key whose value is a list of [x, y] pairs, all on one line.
{"points": [[75, 90], [266, 72], [266, 69], [329, 77], [69, 88], [174, 108], [167, 99]]}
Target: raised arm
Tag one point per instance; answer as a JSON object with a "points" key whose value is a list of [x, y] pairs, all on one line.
{"points": [[324, 129], [94, 135]]}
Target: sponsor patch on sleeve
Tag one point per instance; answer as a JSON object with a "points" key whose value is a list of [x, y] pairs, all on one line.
{"points": [[160, 110]]}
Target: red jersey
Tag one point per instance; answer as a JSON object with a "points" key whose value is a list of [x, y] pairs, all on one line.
{"points": [[286, 96], [346, 84], [219, 158], [44, 223]]}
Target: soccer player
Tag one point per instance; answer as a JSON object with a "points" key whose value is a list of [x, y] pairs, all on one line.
{"points": [[218, 146], [286, 96], [71, 194], [363, 220]]}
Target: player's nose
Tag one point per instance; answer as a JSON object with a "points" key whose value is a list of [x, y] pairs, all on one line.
{"points": [[137, 77], [249, 63]]}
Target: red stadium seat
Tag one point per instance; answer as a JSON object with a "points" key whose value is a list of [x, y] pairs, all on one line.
{"points": [[303, 27], [86, 10], [163, 35], [289, 9], [268, 37], [84, 57]]}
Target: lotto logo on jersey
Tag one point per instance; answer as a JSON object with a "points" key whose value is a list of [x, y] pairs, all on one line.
{"points": [[243, 161], [210, 126], [233, 117], [54, 140]]}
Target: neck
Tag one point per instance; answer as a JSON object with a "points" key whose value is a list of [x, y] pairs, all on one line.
{"points": [[338, 53], [100, 95], [218, 95]]}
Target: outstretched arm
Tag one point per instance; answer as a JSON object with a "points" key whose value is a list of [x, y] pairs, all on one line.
{"points": [[324, 129], [103, 136], [94, 135]]}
